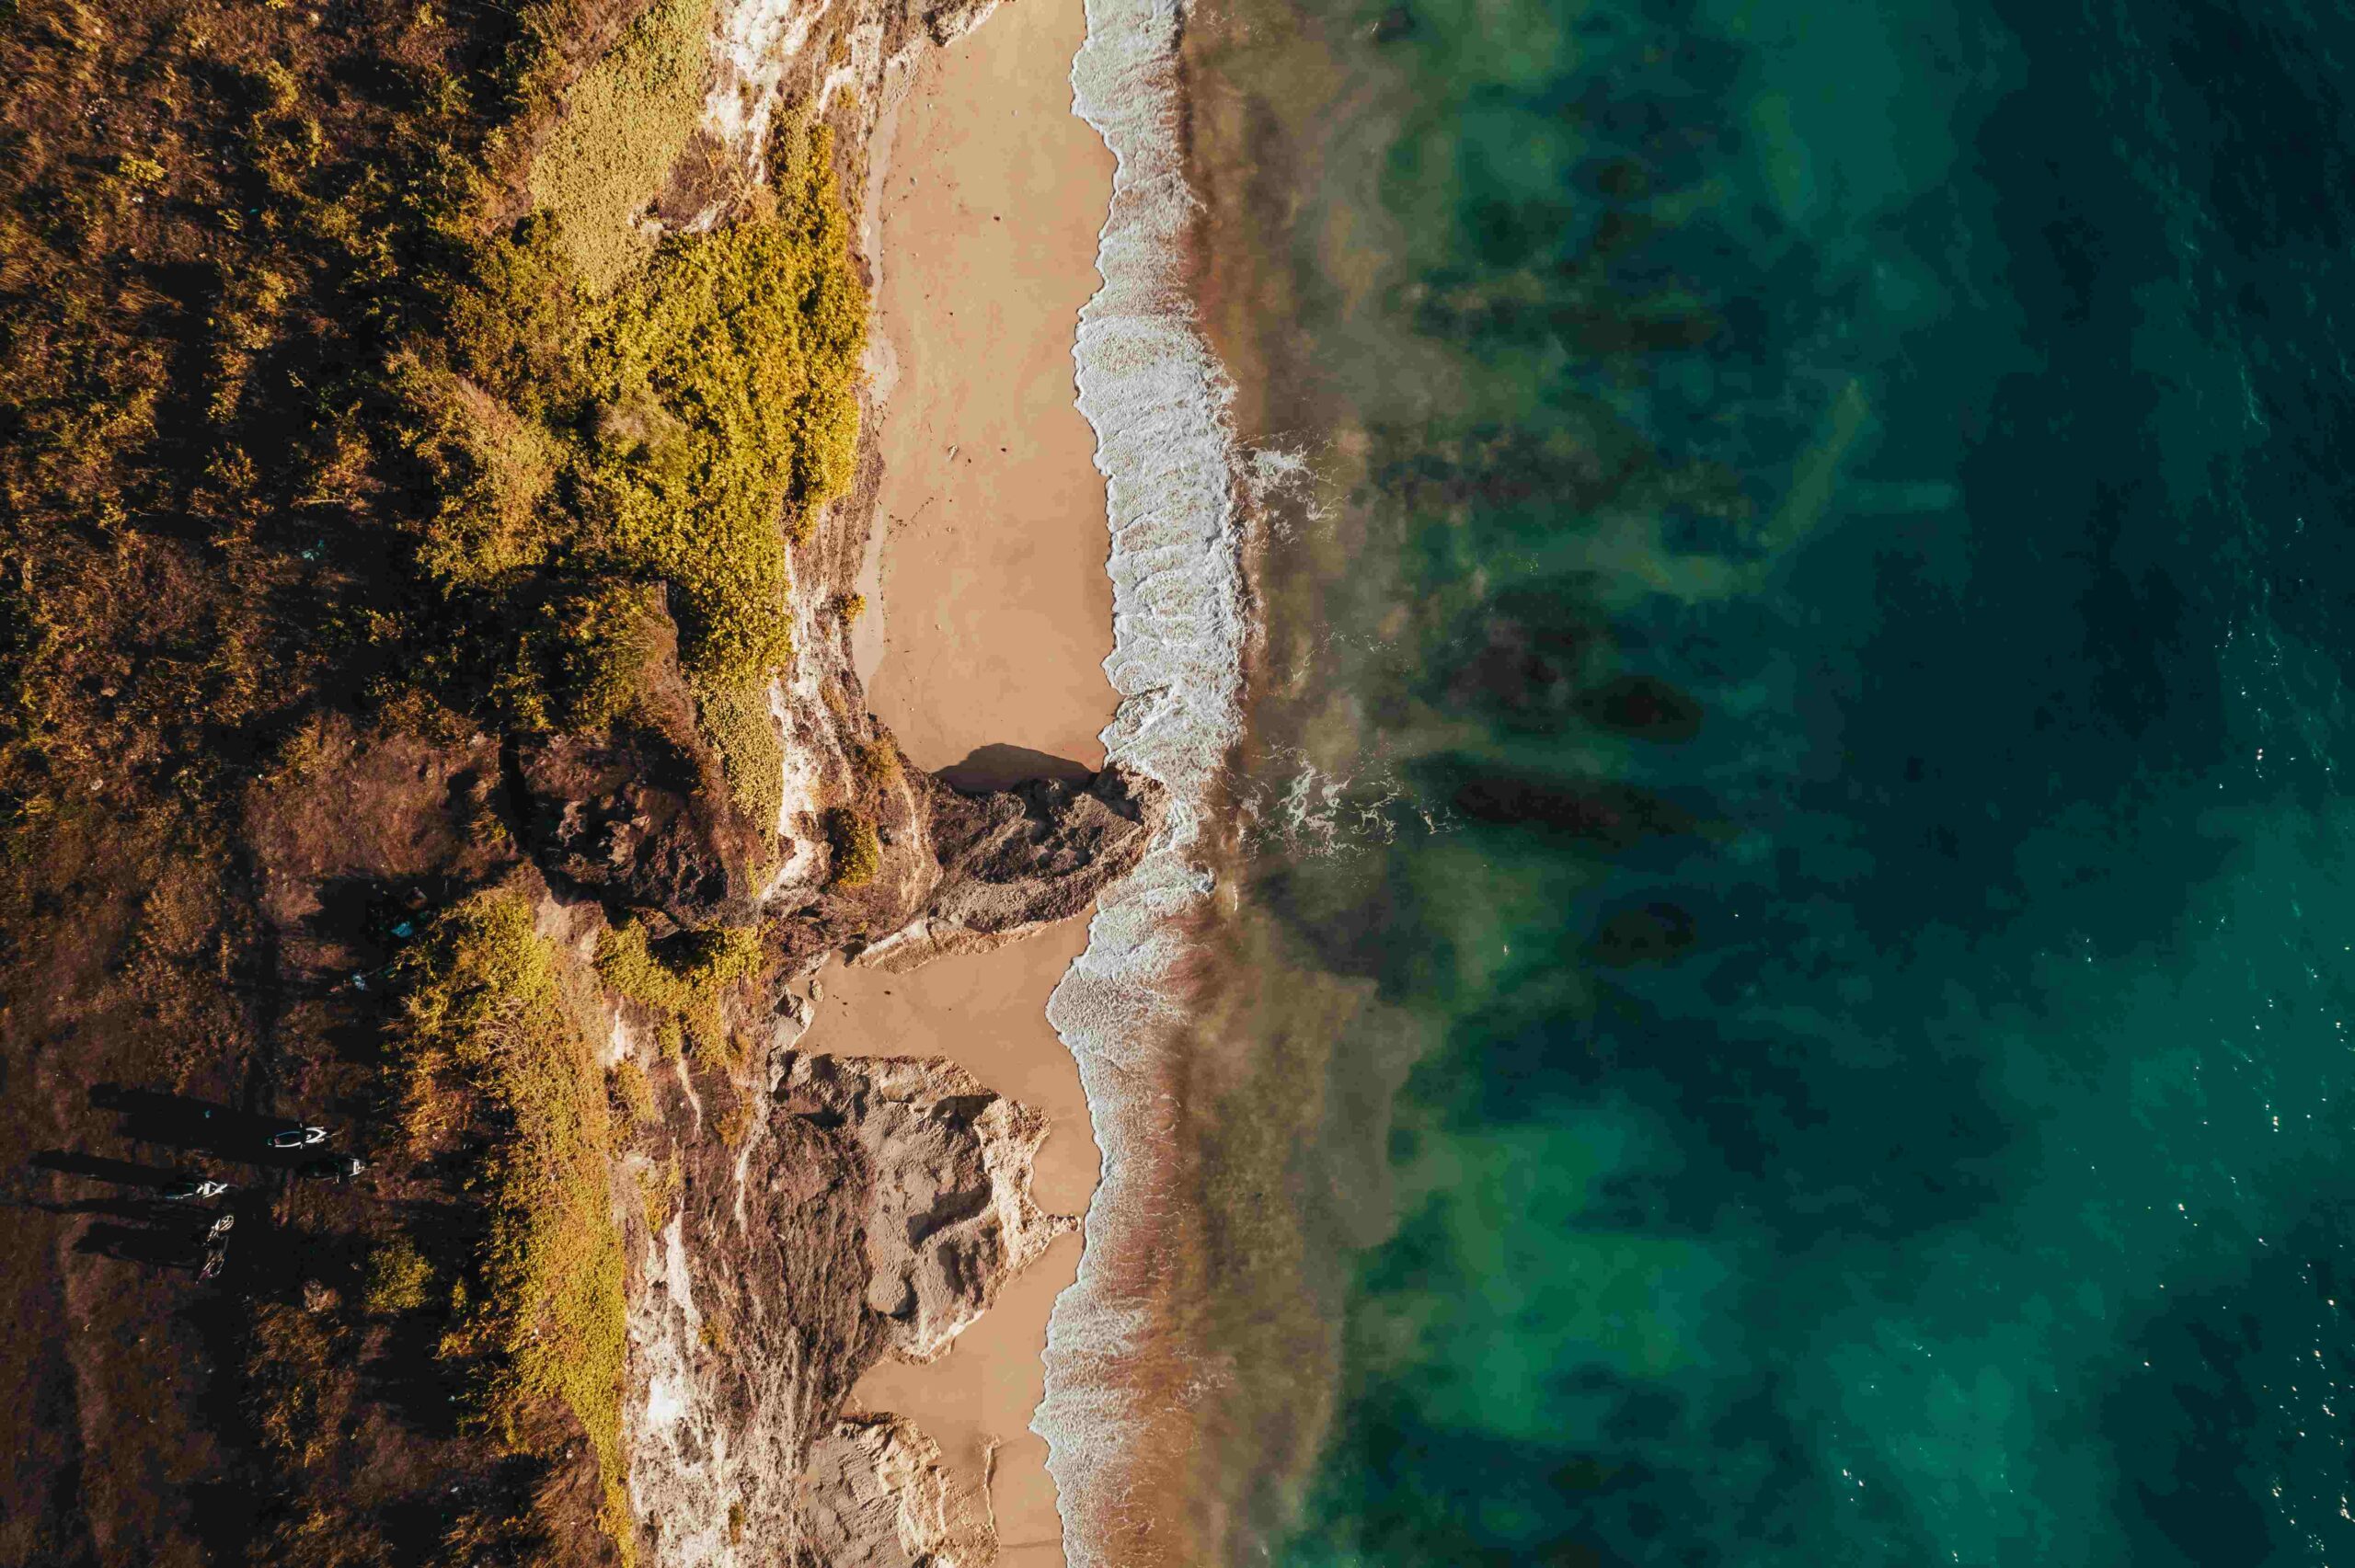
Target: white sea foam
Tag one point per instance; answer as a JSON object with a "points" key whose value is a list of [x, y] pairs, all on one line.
{"points": [[1157, 398]]}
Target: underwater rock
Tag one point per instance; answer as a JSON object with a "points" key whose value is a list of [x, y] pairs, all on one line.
{"points": [[1643, 707], [1615, 816], [1655, 934]]}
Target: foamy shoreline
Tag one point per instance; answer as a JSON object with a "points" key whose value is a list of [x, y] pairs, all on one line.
{"points": [[1157, 396]]}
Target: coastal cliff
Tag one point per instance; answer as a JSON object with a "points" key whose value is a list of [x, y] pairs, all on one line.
{"points": [[434, 717]]}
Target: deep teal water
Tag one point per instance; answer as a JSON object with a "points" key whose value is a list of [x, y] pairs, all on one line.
{"points": [[1869, 604]]}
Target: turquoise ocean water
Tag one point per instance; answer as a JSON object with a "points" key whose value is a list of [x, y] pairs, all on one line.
{"points": [[1795, 807]]}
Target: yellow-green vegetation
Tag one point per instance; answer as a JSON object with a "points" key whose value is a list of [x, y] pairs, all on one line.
{"points": [[878, 762], [496, 1065], [849, 607], [492, 470], [631, 1092], [732, 1122], [858, 855], [413, 439], [736, 715], [676, 432], [724, 382], [597, 647], [399, 1278], [684, 977], [625, 122], [658, 1187]]}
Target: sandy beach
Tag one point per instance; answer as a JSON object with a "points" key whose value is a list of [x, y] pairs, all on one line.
{"points": [[989, 614]]}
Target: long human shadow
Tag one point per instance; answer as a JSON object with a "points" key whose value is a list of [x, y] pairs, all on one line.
{"points": [[123, 1173], [143, 1244], [180, 1121], [155, 1104], [151, 1211]]}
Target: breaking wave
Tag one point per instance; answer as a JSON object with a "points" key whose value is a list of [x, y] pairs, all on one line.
{"points": [[1157, 398]]}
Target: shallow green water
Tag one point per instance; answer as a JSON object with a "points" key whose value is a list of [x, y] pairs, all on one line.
{"points": [[1845, 538]]}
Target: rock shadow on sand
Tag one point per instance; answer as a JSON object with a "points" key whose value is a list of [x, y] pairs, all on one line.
{"points": [[999, 766]]}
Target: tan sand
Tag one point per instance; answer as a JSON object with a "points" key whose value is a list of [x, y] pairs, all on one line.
{"points": [[987, 1012], [994, 613], [990, 617]]}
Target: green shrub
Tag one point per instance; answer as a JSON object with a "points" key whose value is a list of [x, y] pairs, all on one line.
{"points": [[631, 1092], [512, 320], [858, 855], [736, 715], [399, 1279], [678, 432], [684, 977], [625, 122], [492, 471], [484, 1021], [733, 1122], [658, 1193], [878, 763], [602, 640], [726, 384]]}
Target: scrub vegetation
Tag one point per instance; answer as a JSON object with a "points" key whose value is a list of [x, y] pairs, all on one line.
{"points": [[447, 466], [632, 1096], [858, 852], [624, 124], [735, 714], [297, 1381], [400, 1279], [495, 1073], [346, 403], [682, 978]]}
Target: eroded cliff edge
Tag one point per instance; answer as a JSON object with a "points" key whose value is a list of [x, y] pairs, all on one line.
{"points": [[432, 517]]}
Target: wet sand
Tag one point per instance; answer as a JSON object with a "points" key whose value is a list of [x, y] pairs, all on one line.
{"points": [[989, 615]]}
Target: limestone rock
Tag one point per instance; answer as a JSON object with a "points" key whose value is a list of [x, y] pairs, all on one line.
{"points": [[747, 1329], [875, 1496], [1015, 860], [950, 1213]]}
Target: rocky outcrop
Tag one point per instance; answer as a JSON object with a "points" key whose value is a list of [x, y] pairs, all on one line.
{"points": [[872, 1206], [1015, 860], [955, 872], [748, 1327], [632, 819], [875, 1496], [950, 1215]]}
